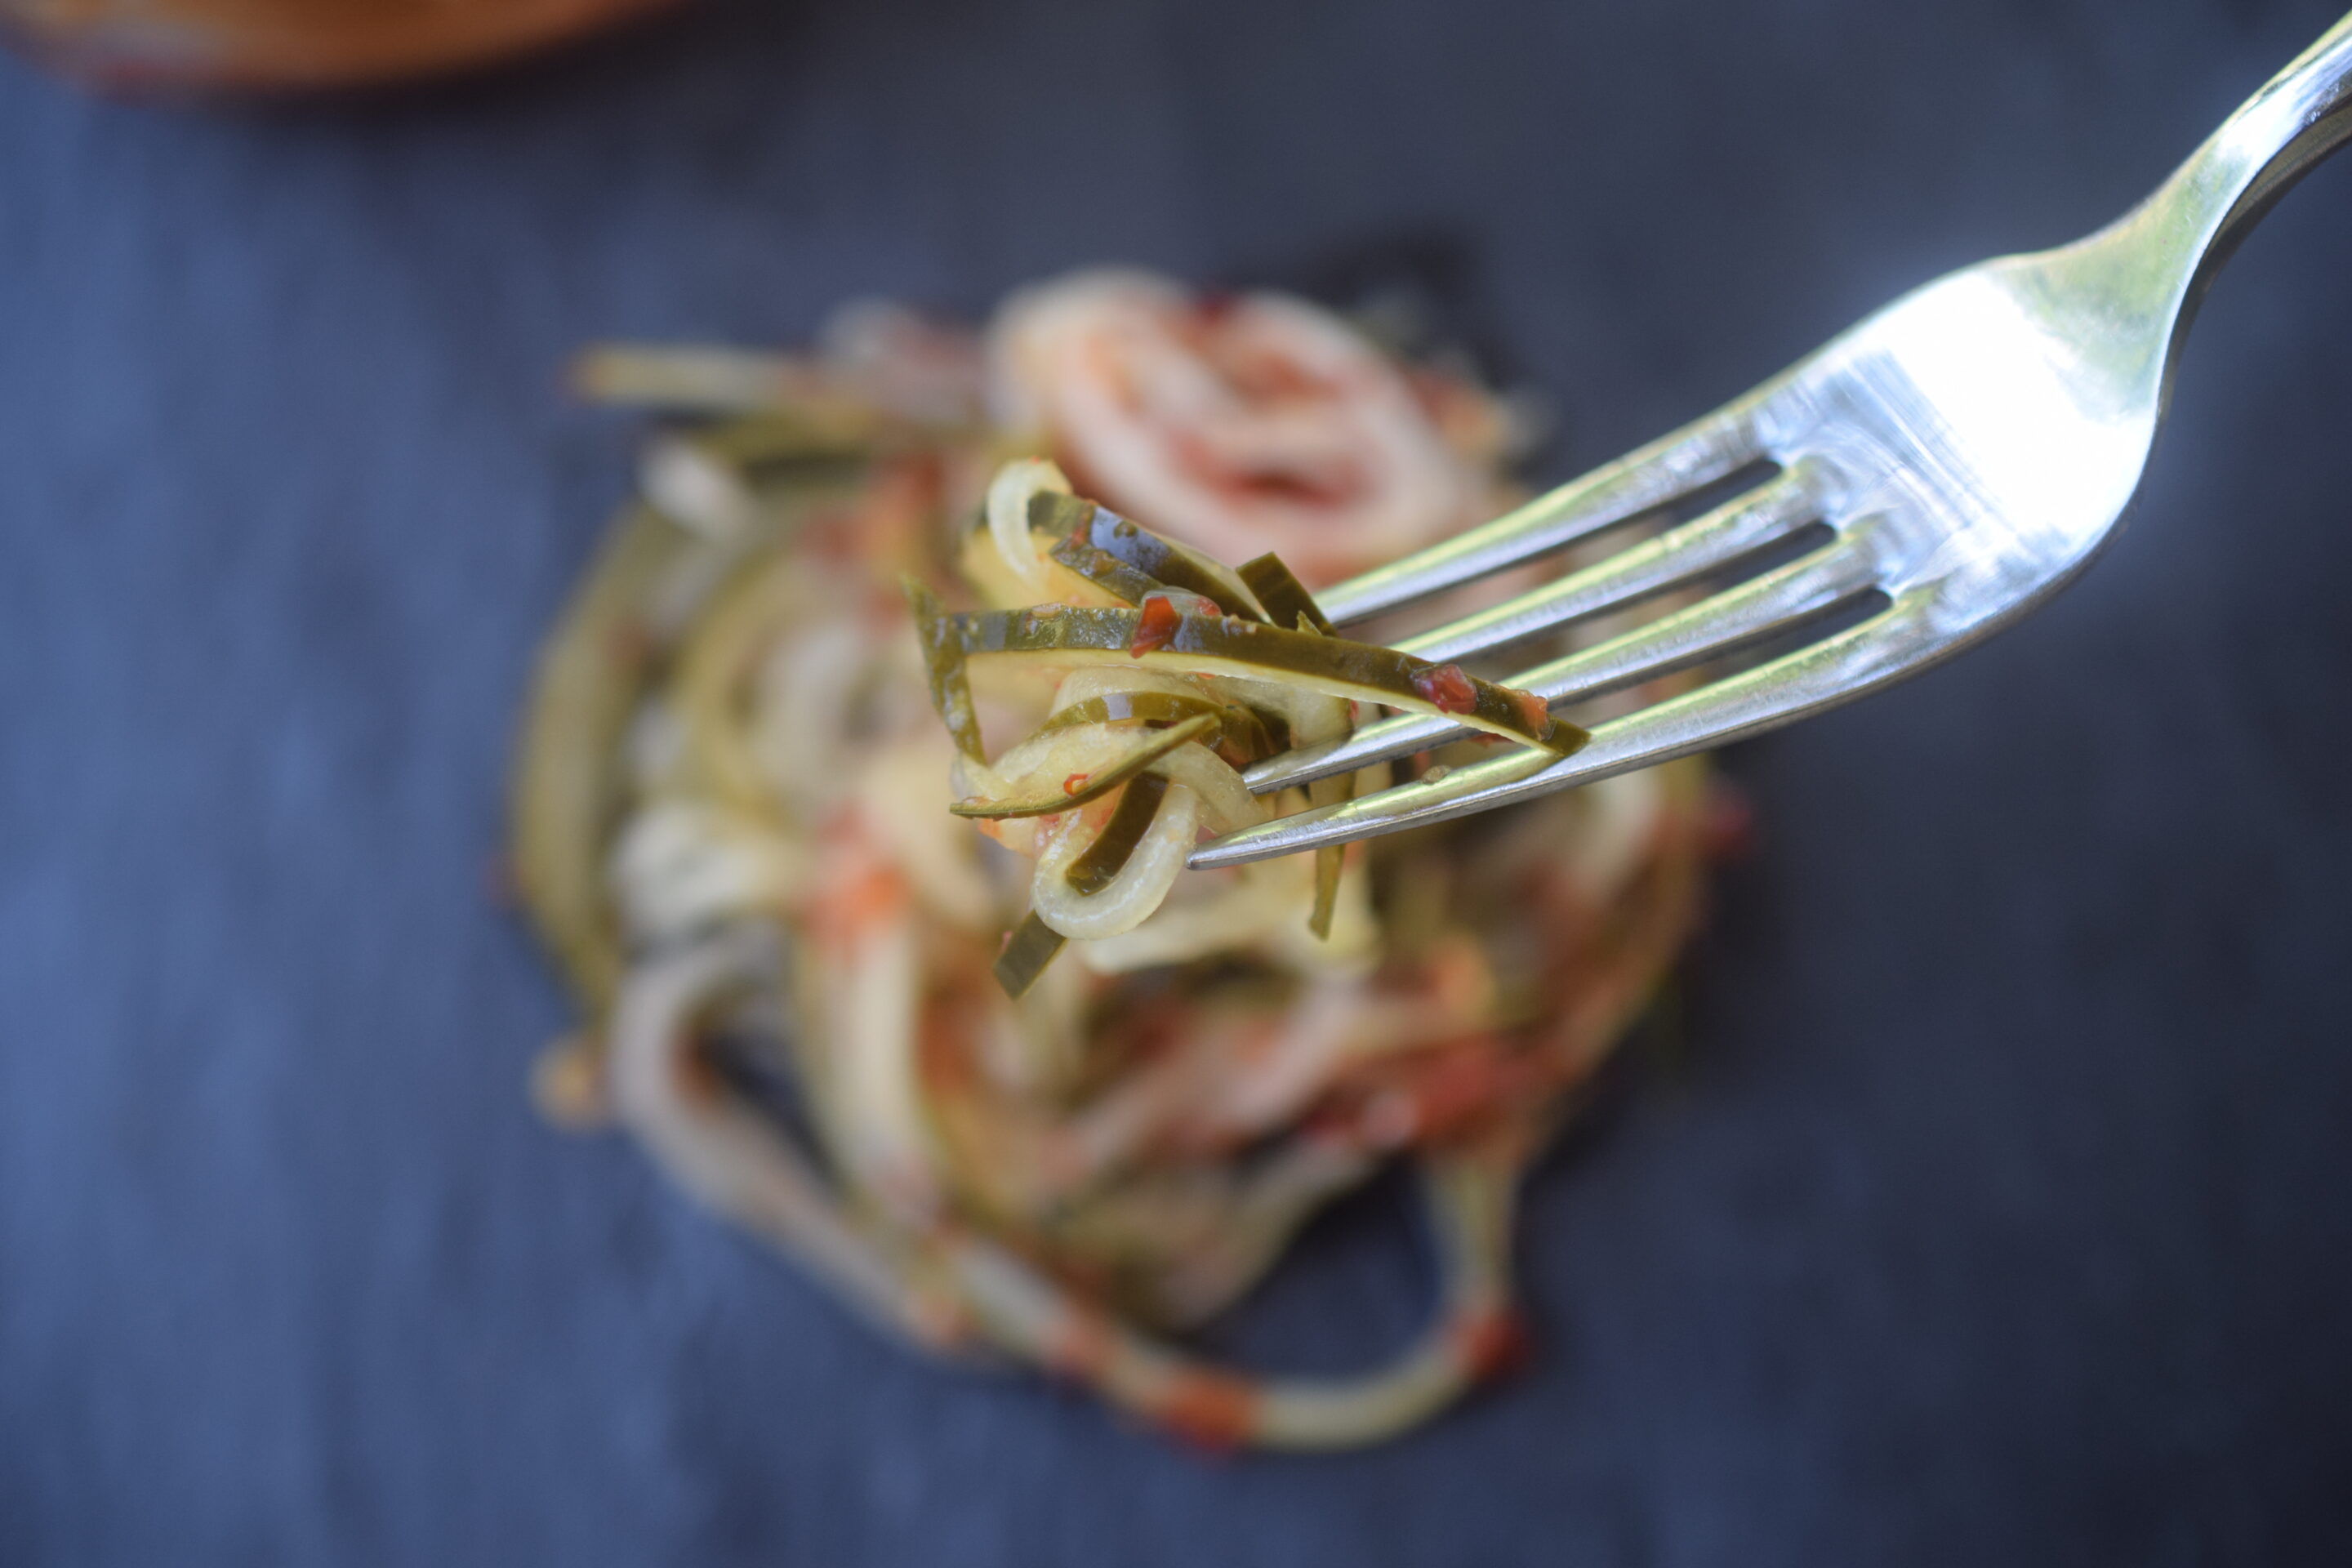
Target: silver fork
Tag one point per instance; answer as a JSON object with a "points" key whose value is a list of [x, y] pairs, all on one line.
{"points": [[1971, 445]]}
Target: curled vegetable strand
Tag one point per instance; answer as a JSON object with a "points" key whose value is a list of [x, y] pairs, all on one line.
{"points": [[855, 798]]}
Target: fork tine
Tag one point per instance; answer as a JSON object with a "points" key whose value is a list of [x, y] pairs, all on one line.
{"points": [[1699, 453], [1777, 508], [1819, 581], [1821, 674]]}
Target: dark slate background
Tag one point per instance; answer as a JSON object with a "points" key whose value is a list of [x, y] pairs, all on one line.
{"points": [[1989, 1205]]}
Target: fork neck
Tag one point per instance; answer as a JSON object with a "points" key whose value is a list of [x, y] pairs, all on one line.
{"points": [[2277, 136], [2163, 255]]}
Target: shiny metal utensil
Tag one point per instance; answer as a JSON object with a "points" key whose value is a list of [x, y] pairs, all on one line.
{"points": [[1971, 445]]}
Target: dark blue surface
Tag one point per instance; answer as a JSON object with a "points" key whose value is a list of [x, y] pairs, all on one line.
{"points": [[1995, 1210]]}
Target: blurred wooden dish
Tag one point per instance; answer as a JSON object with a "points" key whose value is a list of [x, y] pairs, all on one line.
{"points": [[291, 45]]}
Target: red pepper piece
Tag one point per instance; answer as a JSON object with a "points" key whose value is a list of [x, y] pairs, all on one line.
{"points": [[1492, 1342], [1156, 627], [1533, 710], [1081, 1347], [1214, 1413], [1447, 689]]}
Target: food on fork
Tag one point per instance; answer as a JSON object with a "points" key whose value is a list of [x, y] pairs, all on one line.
{"points": [[1169, 674], [862, 686]]}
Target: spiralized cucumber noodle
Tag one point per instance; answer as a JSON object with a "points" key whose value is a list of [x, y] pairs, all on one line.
{"points": [[855, 796]]}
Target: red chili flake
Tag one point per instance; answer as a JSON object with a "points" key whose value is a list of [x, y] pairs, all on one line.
{"points": [[1215, 307], [862, 901], [1534, 712], [1075, 783], [1445, 687], [1464, 1088], [1156, 627], [1213, 1412], [943, 1324], [1081, 1347], [1492, 1342]]}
